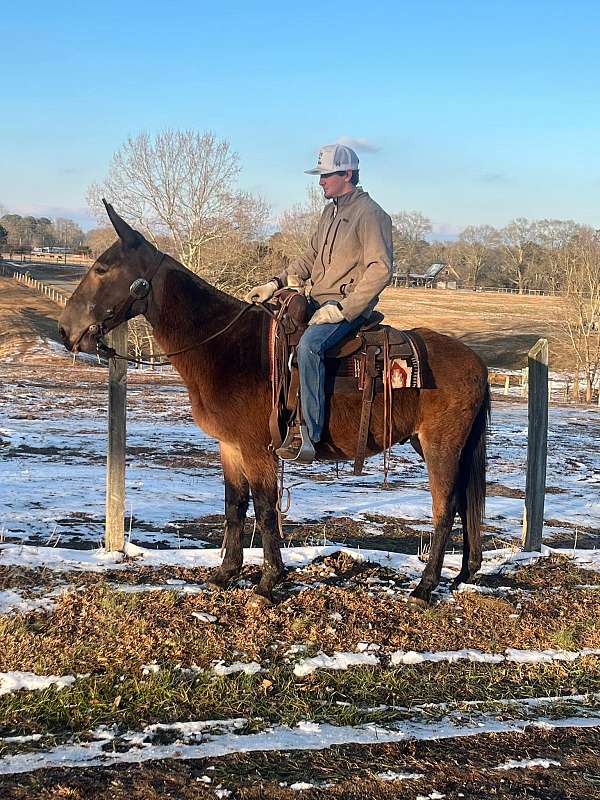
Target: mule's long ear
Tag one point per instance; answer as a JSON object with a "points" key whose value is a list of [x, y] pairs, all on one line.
{"points": [[128, 236]]}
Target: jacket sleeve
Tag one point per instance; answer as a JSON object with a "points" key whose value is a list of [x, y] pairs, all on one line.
{"points": [[302, 266], [375, 233]]}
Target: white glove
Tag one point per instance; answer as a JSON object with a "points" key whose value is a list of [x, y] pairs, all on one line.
{"points": [[258, 294], [327, 313]]}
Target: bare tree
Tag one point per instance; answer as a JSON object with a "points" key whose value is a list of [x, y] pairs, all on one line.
{"points": [[181, 184], [581, 306], [100, 239], [516, 239], [409, 230], [297, 224], [67, 233], [555, 236], [475, 243]]}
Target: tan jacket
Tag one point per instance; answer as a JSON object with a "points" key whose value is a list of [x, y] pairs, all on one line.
{"points": [[349, 259]]}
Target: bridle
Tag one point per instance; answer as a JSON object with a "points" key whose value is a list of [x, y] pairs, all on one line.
{"points": [[139, 289]]}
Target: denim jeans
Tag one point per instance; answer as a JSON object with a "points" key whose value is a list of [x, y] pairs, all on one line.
{"points": [[315, 341]]}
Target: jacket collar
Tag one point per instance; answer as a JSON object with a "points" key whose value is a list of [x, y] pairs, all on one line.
{"points": [[345, 199]]}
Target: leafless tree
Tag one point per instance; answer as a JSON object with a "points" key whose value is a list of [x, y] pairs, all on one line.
{"points": [[475, 243], [297, 224], [581, 306], [555, 236], [181, 184], [67, 233], [409, 230], [516, 239], [100, 239]]}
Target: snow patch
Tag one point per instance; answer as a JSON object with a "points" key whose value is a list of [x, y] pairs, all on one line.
{"points": [[28, 681], [529, 763]]}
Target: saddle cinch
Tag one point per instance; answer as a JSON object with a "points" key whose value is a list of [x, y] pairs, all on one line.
{"points": [[376, 358]]}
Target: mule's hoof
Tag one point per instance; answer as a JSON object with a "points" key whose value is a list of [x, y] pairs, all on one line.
{"points": [[259, 601], [415, 598], [220, 579], [458, 581]]}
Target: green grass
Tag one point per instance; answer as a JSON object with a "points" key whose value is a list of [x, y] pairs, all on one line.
{"points": [[342, 698]]}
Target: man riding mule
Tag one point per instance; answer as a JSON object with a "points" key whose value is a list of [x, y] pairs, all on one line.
{"points": [[214, 341], [347, 265]]}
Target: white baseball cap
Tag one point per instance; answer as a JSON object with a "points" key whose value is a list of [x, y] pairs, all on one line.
{"points": [[334, 158]]}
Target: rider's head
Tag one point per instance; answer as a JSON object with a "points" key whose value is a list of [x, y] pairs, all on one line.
{"points": [[337, 166]]}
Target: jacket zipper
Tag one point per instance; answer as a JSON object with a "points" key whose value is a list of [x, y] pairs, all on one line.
{"points": [[325, 242], [333, 239]]}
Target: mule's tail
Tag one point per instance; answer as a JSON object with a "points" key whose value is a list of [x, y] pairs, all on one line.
{"points": [[473, 467]]}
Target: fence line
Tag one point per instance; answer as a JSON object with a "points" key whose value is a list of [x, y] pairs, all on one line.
{"points": [[33, 283]]}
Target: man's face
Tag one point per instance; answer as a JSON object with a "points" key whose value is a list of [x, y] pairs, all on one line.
{"points": [[334, 184]]}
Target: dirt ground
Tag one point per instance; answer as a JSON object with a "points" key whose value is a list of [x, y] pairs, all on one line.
{"points": [[501, 328]]}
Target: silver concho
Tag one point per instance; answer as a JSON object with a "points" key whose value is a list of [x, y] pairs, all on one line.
{"points": [[139, 288]]}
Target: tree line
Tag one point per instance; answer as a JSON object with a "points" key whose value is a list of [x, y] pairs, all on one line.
{"points": [[23, 233]]}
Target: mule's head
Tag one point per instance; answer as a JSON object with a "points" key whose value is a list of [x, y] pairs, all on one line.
{"points": [[113, 290]]}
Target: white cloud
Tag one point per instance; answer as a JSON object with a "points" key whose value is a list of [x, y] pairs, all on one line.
{"points": [[359, 144]]}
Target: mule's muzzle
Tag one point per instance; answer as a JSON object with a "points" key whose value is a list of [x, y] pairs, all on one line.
{"points": [[85, 342]]}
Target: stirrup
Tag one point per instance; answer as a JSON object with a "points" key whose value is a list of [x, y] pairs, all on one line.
{"points": [[297, 446]]}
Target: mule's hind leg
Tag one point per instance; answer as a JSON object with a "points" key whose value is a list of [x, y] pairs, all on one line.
{"points": [[471, 558], [237, 495], [442, 466], [465, 572], [262, 474]]}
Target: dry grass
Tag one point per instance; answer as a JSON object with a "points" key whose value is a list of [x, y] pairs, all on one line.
{"points": [[342, 603]]}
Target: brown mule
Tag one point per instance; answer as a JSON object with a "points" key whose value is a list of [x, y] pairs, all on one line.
{"points": [[231, 401]]}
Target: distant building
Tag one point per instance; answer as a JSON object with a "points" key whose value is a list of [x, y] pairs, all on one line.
{"points": [[437, 276], [59, 250]]}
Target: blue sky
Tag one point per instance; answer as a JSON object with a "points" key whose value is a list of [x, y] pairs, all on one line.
{"points": [[470, 112]]}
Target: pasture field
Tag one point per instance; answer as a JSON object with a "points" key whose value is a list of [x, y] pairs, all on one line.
{"points": [[126, 676]]}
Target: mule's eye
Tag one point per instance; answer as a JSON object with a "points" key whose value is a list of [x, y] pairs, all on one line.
{"points": [[100, 269]]}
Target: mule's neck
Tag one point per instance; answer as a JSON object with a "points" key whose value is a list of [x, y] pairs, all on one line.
{"points": [[184, 308]]}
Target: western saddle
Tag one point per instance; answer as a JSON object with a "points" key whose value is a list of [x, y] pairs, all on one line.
{"points": [[376, 358]]}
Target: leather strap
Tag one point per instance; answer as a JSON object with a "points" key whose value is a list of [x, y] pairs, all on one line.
{"points": [[365, 414]]}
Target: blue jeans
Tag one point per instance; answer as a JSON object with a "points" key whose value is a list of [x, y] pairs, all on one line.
{"points": [[315, 342]]}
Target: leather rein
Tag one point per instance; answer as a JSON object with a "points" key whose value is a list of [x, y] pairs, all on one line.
{"points": [[140, 289]]}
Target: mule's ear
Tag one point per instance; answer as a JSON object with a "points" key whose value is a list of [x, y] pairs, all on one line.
{"points": [[126, 233]]}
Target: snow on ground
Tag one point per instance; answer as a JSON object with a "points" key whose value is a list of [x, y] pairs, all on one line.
{"points": [[214, 738], [29, 681], [53, 470], [529, 763]]}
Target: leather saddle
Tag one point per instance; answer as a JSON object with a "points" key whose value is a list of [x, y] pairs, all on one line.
{"points": [[363, 362]]}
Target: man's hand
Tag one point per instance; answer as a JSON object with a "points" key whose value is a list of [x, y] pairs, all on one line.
{"points": [[330, 312], [259, 294]]}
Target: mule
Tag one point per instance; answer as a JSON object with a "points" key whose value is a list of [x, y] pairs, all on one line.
{"points": [[231, 401]]}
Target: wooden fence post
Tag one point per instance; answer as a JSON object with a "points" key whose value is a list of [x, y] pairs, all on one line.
{"points": [[114, 535], [537, 445]]}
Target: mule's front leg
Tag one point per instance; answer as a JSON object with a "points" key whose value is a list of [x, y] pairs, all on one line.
{"points": [[264, 496], [237, 495]]}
